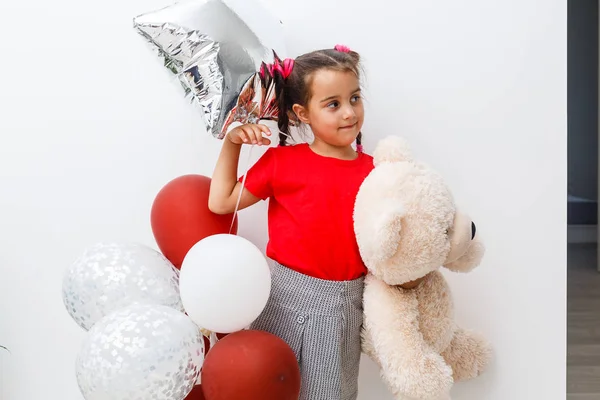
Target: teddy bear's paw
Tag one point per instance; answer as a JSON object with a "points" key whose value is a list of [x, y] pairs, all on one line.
{"points": [[428, 378], [469, 354], [484, 352]]}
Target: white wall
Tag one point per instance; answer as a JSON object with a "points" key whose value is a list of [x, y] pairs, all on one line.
{"points": [[92, 128]]}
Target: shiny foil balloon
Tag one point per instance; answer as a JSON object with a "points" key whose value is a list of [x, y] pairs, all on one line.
{"points": [[140, 352], [214, 48], [109, 276]]}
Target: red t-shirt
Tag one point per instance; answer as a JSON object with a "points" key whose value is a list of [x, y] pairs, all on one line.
{"points": [[311, 207]]}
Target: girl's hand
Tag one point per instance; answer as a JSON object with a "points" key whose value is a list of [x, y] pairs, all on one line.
{"points": [[250, 134]]}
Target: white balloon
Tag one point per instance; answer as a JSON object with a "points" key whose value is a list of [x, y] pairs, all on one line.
{"points": [[224, 283], [109, 276]]}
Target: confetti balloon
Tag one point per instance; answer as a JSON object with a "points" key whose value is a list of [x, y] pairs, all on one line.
{"points": [[140, 352], [109, 276]]}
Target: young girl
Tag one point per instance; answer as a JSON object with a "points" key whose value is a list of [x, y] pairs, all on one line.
{"points": [[317, 282]]}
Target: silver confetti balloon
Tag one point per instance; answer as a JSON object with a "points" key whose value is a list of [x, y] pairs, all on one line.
{"points": [[140, 352], [212, 50], [109, 276]]}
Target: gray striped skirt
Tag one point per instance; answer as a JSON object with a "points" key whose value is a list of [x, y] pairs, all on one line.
{"points": [[321, 321]]}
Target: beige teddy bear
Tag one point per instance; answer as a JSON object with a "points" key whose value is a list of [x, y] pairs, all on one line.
{"points": [[407, 227]]}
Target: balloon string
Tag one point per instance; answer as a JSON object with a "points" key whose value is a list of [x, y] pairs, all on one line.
{"points": [[237, 204]]}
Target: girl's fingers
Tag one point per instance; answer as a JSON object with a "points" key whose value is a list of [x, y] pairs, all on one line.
{"points": [[258, 135], [244, 136], [253, 134], [265, 129]]}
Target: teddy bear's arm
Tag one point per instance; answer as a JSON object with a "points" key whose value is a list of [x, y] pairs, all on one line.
{"points": [[408, 364]]}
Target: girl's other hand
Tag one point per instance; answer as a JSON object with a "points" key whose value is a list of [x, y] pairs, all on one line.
{"points": [[250, 134]]}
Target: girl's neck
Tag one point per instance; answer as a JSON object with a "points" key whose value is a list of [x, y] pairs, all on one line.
{"points": [[324, 149]]}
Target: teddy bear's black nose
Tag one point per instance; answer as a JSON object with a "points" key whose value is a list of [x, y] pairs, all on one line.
{"points": [[473, 230]]}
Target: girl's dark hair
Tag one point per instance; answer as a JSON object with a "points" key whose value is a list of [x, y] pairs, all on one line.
{"points": [[295, 89]]}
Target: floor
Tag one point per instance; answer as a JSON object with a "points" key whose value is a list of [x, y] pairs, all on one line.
{"points": [[583, 323]]}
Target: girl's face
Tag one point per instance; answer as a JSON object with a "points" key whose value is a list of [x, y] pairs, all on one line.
{"points": [[335, 110]]}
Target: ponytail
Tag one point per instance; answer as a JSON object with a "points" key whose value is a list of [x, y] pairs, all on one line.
{"points": [[359, 146], [283, 117], [281, 72]]}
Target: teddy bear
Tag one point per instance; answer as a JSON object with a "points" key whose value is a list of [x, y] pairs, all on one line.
{"points": [[407, 228]]}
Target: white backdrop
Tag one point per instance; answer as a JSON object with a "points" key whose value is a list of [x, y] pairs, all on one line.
{"points": [[92, 128]]}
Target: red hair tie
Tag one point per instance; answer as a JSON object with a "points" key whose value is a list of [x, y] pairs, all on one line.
{"points": [[288, 66], [285, 68], [342, 48]]}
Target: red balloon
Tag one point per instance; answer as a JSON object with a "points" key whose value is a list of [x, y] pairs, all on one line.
{"points": [[196, 394], [180, 217], [251, 365]]}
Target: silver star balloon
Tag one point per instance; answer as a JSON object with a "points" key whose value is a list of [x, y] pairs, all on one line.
{"points": [[214, 48]]}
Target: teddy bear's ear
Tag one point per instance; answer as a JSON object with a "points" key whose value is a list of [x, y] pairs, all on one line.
{"points": [[378, 231], [392, 149]]}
